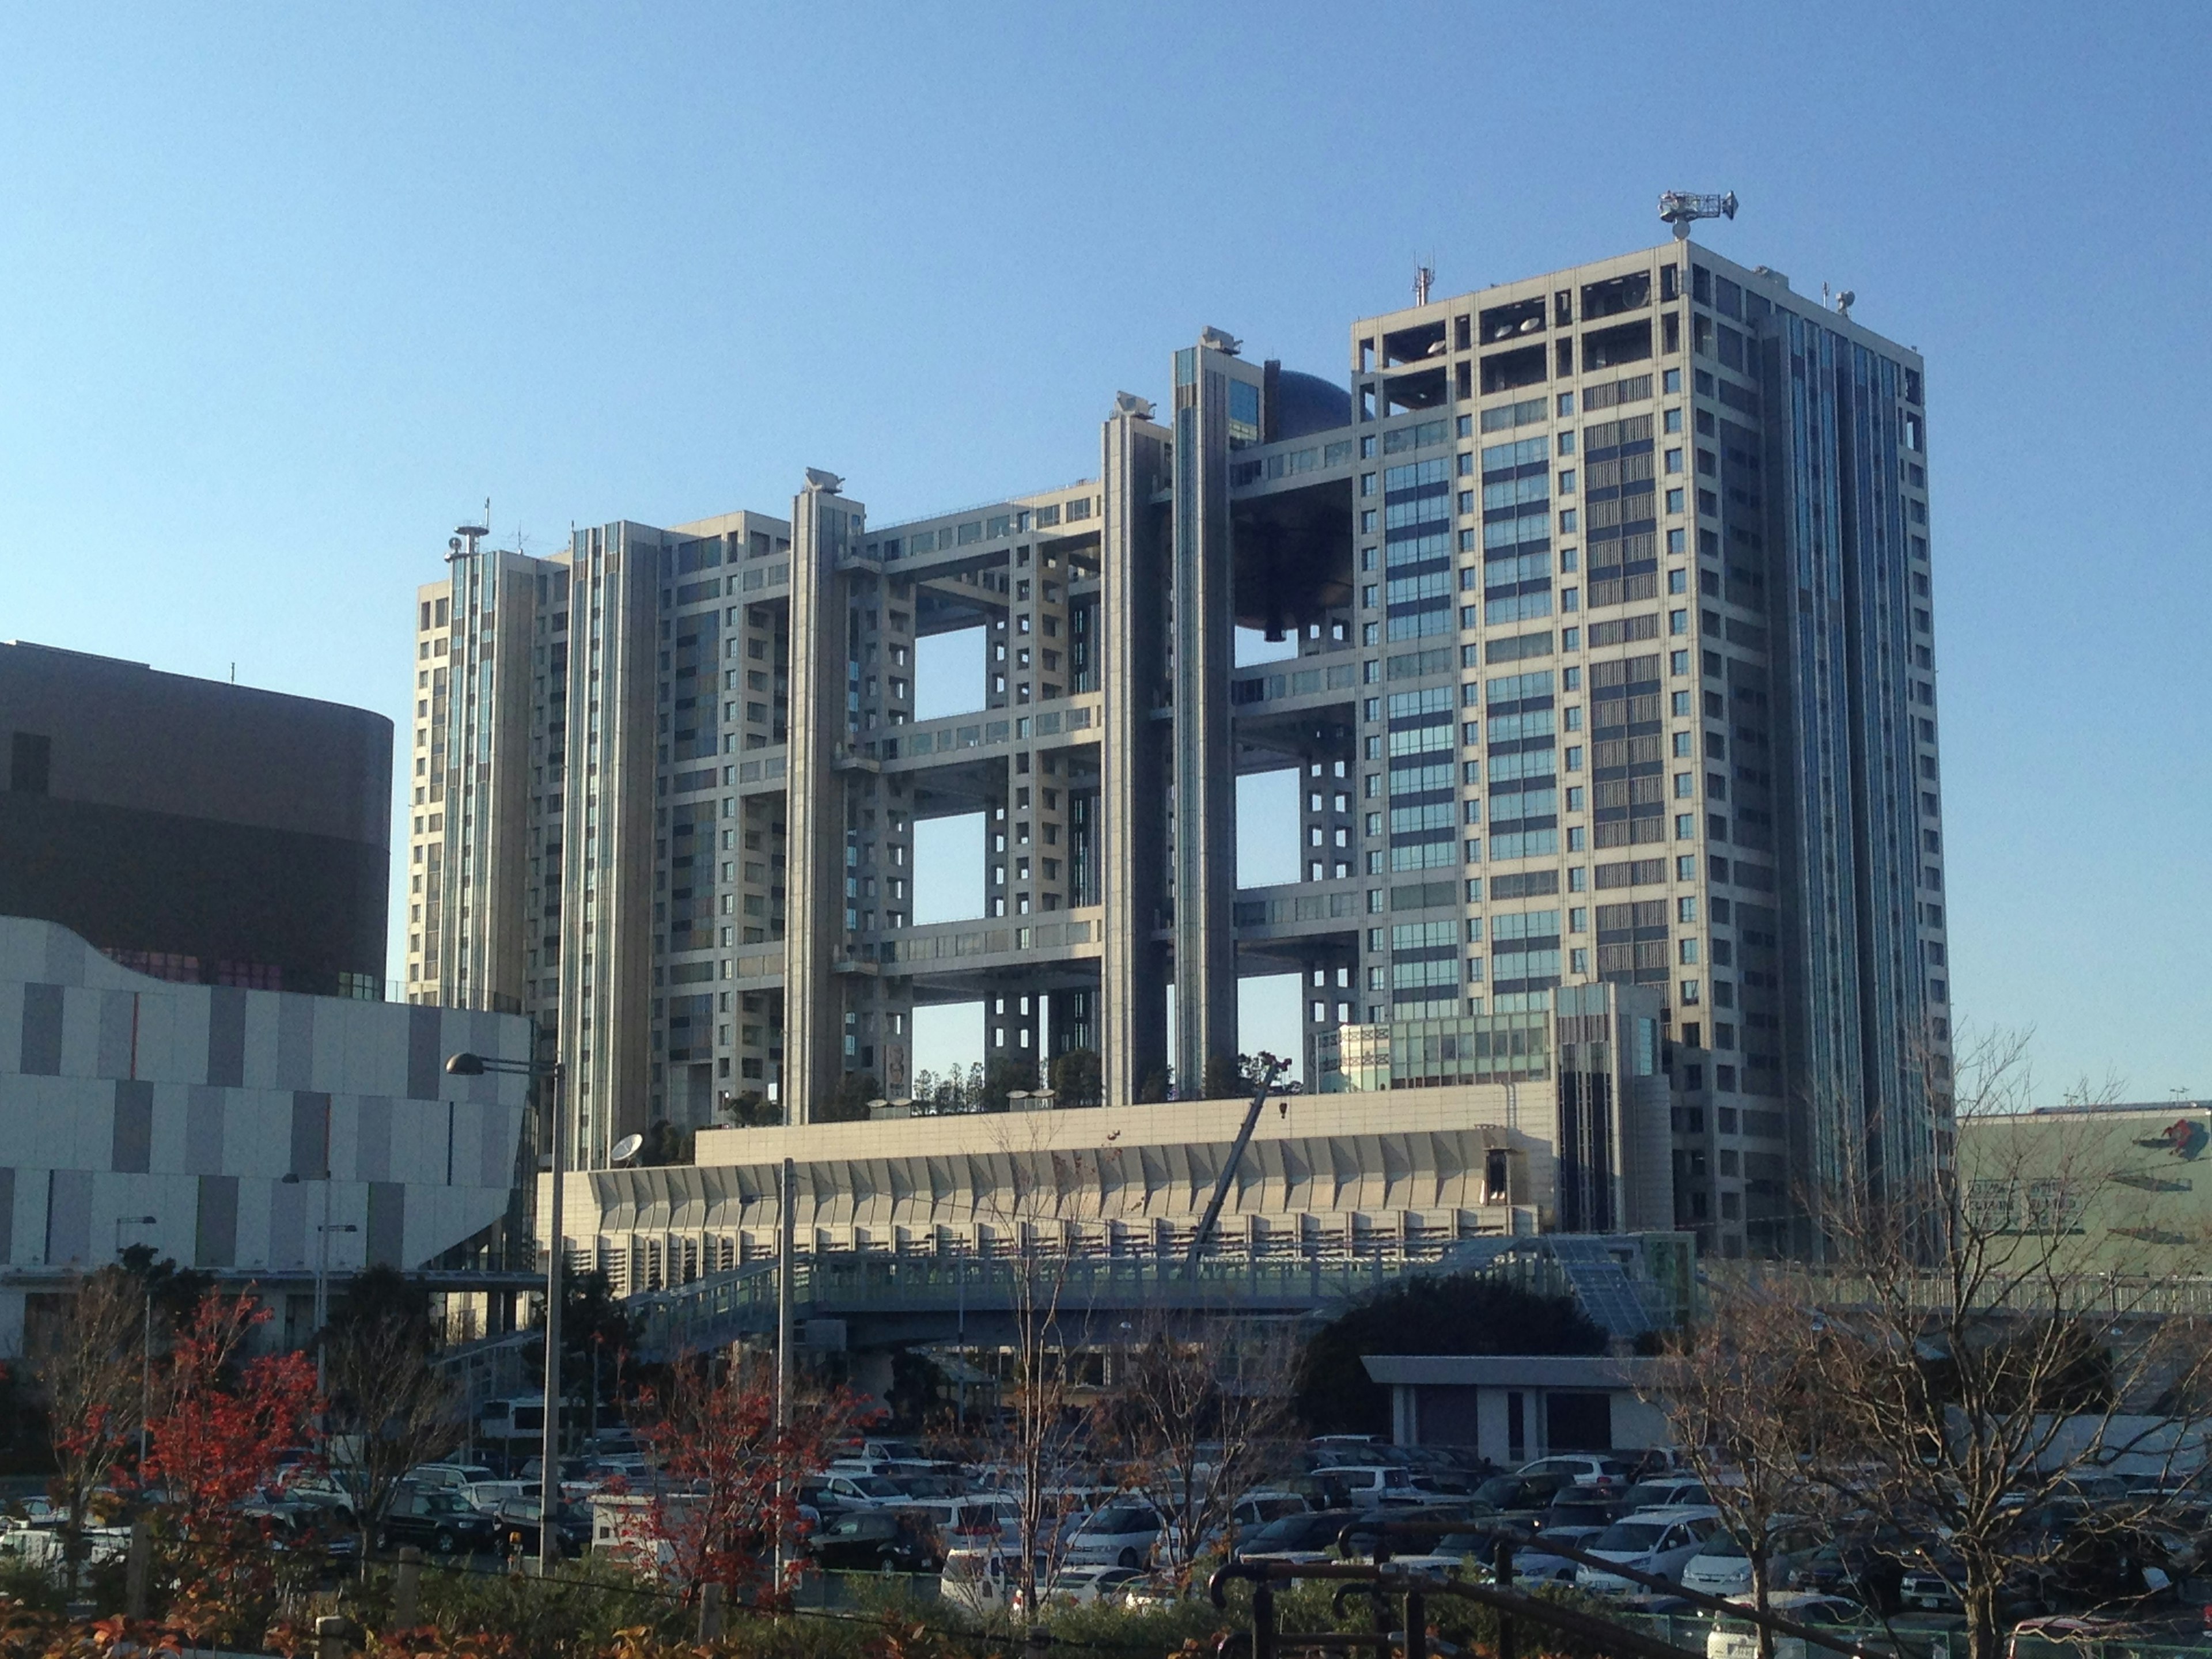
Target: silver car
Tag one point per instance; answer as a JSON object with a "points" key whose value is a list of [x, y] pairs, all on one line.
{"points": [[1659, 1542]]}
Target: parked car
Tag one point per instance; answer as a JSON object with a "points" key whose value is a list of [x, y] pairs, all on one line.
{"points": [[1864, 1565], [1079, 1586], [1926, 1587], [976, 1580], [968, 1523], [452, 1476], [1584, 1468], [1519, 1494], [518, 1523], [1304, 1539], [860, 1492], [1463, 1554], [437, 1519], [1664, 1492], [1122, 1534], [1660, 1542], [1257, 1508], [1377, 1485], [877, 1540], [1576, 1506], [311, 1529], [1722, 1567], [1738, 1638], [1538, 1565]]}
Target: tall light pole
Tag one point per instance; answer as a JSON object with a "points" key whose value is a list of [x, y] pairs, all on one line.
{"points": [[786, 1241], [549, 1476], [322, 1284], [323, 1232], [145, 1335]]}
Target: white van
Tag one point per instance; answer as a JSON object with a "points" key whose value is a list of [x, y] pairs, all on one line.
{"points": [[976, 1580], [1121, 1534]]}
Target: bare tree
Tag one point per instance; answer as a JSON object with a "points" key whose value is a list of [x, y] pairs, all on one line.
{"points": [[1197, 1417], [1976, 1350], [91, 1365], [390, 1409], [1030, 1439], [1740, 1389]]}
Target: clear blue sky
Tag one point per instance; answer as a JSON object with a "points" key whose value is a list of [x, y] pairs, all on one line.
{"points": [[285, 292]]}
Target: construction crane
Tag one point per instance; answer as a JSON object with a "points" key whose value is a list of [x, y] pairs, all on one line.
{"points": [[1680, 208]]}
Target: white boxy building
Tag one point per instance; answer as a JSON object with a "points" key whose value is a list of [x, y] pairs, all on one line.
{"points": [[258, 1135]]}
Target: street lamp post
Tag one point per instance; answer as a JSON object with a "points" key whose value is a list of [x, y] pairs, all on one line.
{"points": [[549, 1476], [323, 1283], [323, 1232], [145, 1336]]}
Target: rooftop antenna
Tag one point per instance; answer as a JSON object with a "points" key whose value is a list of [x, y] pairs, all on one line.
{"points": [[1424, 276], [470, 534], [1682, 208], [1845, 300]]}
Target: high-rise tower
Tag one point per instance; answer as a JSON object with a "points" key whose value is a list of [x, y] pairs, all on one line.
{"points": [[1609, 596]]}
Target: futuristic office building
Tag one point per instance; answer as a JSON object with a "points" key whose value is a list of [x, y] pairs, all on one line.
{"points": [[1610, 593]]}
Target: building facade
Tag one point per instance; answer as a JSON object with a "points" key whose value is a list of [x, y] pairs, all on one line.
{"points": [[193, 829], [1611, 597], [263, 1136], [1403, 1174]]}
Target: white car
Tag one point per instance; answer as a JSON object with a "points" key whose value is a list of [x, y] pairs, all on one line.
{"points": [[1738, 1638], [970, 1523], [1665, 1491], [1456, 1554], [1122, 1534], [863, 1491], [1583, 1469], [1538, 1565], [1660, 1542], [1722, 1567], [1370, 1485], [976, 1579], [449, 1477], [1073, 1586]]}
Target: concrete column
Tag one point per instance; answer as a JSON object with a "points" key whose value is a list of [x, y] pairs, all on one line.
{"points": [[822, 521], [607, 837], [1209, 379], [1133, 762]]}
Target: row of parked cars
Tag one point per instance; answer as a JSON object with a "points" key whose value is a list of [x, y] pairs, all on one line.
{"points": [[2098, 1544]]}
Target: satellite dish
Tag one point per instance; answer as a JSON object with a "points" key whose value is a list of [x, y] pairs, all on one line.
{"points": [[626, 1149]]}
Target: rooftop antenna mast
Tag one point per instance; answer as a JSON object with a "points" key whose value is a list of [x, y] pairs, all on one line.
{"points": [[1424, 277], [1682, 208], [471, 534]]}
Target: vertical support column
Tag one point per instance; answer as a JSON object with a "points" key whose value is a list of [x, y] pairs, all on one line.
{"points": [[607, 861], [815, 798], [1135, 771], [1211, 383]]}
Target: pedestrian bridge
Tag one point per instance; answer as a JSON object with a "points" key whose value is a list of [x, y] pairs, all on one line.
{"points": [[1628, 1283]]}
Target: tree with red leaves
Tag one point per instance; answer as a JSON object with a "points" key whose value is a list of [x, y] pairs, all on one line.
{"points": [[214, 1446], [729, 1480]]}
